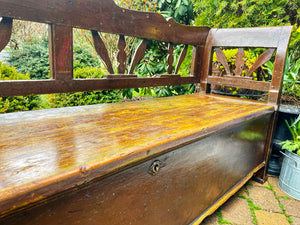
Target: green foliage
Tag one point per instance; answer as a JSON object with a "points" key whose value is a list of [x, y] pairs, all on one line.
{"points": [[291, 76], [294, 128], [165, 91], [251, 13], [83, 57], [16, 103], [31, 57], [87, 97], [241, 13], [180, 10]]}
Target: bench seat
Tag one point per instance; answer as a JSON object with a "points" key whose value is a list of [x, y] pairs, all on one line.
{"points": [[47, 152]]}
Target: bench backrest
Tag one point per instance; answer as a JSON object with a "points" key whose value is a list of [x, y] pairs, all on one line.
{"points": [[97, 16], [274, 39], [106, 16]]}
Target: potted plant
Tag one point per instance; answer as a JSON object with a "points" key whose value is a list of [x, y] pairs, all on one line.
{"points": [[289, 179]]}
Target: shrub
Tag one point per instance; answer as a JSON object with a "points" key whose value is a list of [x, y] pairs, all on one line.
{"points": [[16, 103], [31, 57], [87, 97]]}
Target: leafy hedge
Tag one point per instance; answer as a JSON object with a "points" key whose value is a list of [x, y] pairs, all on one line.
{"points": [[16, 103], [87, 97]]}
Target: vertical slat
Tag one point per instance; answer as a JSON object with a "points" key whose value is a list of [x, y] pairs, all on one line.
{"points": [[102, 51], [61, 52], [121, 57], [181, 58], [206, 63], [279, 65], [239, 62], [5, 31], [222, 59], [170, 59], [138, 55], [262, 59]]}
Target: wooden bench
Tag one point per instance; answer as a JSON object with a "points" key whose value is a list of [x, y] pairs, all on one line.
{"points": [[170, 160]]}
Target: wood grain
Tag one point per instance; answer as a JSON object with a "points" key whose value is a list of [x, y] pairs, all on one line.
{"points": [[121, 56], [104, 16], [138, 55], [262, 59], [78, 144], [15, 88], [170, 58], [232, 81], [222, 59], [5, 31], [102, 51], [181, 58], [239, 62], [61, 52]]}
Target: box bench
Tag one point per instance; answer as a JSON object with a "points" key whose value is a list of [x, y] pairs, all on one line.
{"points": [[170, 160]]}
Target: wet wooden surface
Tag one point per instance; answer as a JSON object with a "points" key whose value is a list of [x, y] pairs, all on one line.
{"points": [[170, 189], [44, 152]]}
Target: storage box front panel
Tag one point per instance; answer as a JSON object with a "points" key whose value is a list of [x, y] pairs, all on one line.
{"points": [[173, 188]]}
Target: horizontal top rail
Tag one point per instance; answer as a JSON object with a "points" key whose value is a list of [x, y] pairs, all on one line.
{"points": [[104, 16]]}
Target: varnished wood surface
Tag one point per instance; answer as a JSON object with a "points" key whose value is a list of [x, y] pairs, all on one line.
{"points": [[186, 183], [70, 146], [105, 16]]}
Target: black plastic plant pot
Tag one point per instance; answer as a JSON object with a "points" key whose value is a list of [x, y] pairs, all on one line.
{"points": [[281, 134]]}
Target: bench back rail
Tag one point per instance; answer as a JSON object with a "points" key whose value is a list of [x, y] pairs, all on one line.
{"points": [[97, 16]]}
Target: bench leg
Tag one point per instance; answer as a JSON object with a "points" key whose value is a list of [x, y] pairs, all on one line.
{"points": [[261, 175]]}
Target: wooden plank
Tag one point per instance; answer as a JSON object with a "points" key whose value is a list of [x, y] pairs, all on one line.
{"points": [[225, 197], [138, 55], [78, 144], [184, 176], [28, 87], [61, 52], [222, 59], [258, 37], [170, 58], [239, 82], [103, 16], [121, 56], [5, 31], [102, 51], [181, 58], [262, 59], [284, 38], [239, 62]]}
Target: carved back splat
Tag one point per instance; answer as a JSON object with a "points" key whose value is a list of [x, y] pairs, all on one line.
{"points": [[273, 38]]}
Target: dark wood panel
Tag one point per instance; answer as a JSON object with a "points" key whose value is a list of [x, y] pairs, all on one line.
{"points": [[103, 15], [239, 82], [61, 52], [11, 88], [184, 183], [45, 152]]}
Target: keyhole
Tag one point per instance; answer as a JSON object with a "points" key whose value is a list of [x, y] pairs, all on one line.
{"points": [[155, 167]]}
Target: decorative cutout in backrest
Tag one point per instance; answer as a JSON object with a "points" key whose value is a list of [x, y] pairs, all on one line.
{"points": [[137, 56], [239, 64], [104, 16], [274, 39]]}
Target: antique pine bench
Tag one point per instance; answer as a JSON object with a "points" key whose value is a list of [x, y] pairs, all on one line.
{"points": [[170, 160]]}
